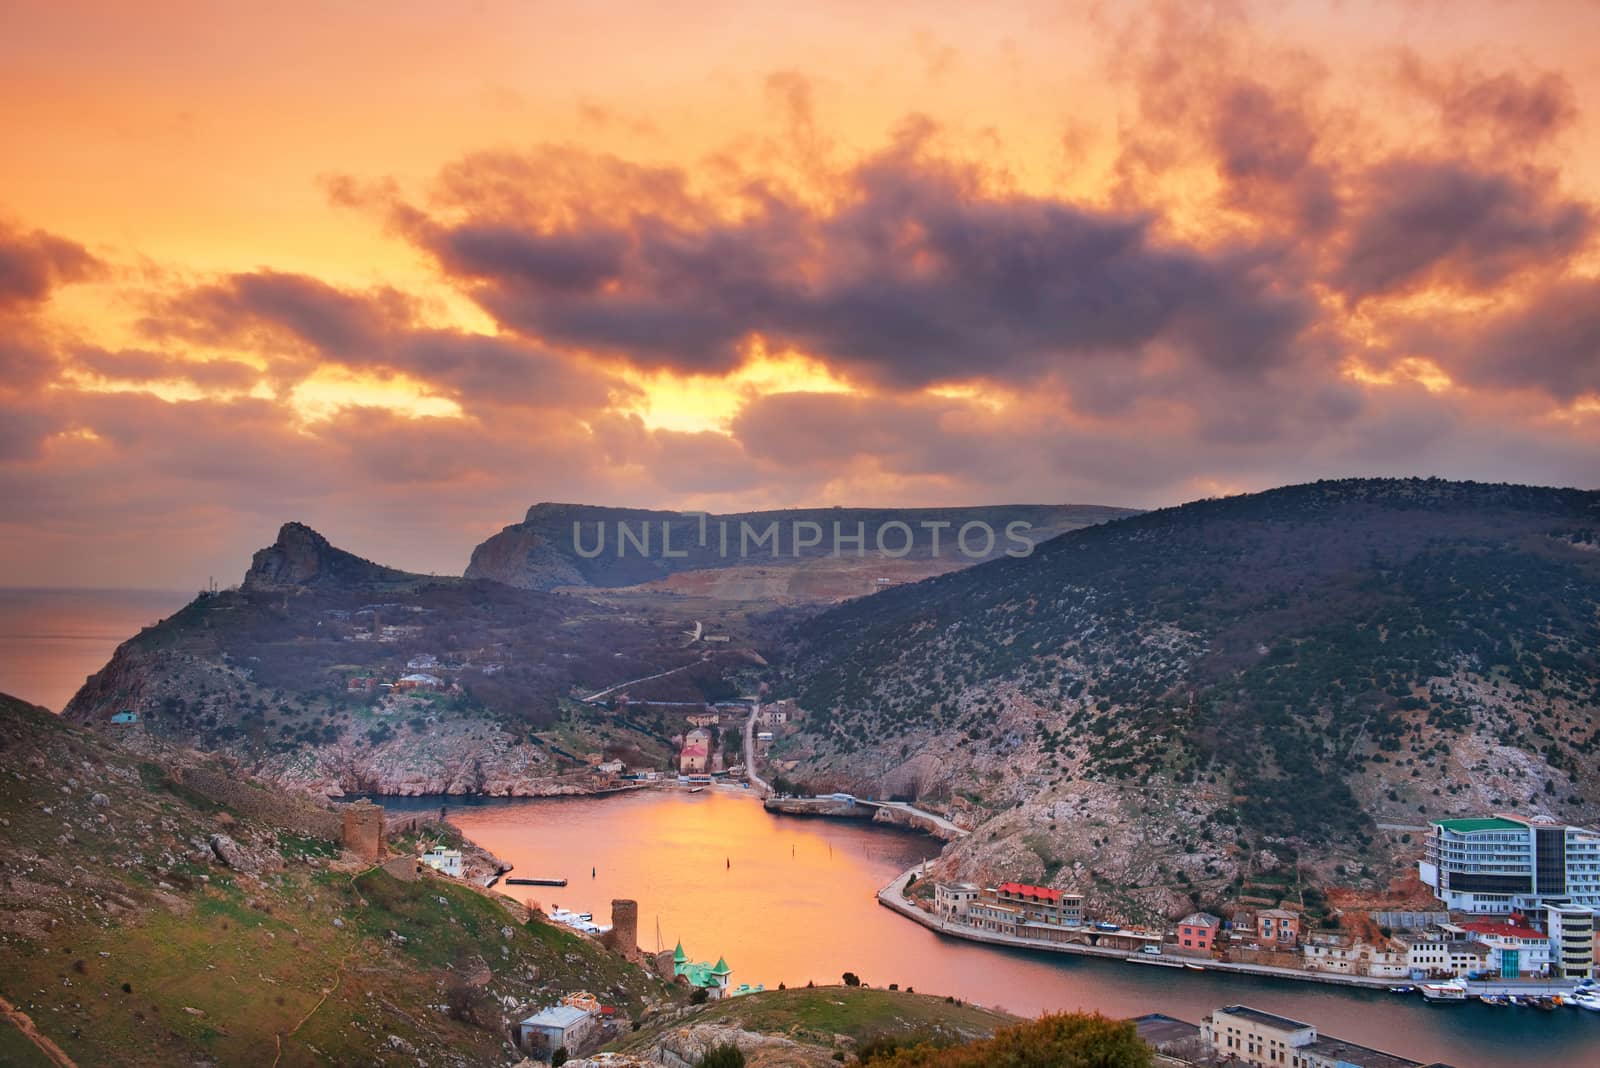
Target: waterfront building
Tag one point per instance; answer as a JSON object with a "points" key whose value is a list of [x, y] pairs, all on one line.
{"points": [[1342, 955], [1503, 864], [1437, 954], [1041, 904], [1197, 931], [1516, 950], [696, 754], [1238, 1034], [1571, 929], [1278, 927], [951, 900]]}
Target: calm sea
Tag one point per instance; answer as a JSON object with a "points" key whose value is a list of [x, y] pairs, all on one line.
{"points": [[51, 640]]}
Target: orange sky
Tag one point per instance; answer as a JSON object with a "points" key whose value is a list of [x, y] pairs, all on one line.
{"points": [[399, 272]]}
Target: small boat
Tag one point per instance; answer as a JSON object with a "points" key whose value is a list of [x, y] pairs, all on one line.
{"points": [[536, 882], [1493, 999], [1404, 988], [1444, 993], [1512, 999], [1194, 967], [1592, 1004], [1544, 1004]]}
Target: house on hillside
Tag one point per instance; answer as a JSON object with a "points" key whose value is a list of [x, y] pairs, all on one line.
{"points": [[419, 681], [127, 715], [712, 978], [564, 1027], [446, 861]]}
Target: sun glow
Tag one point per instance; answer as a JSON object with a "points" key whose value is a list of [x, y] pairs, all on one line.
{"points": [[330, 390], [699, 403]]}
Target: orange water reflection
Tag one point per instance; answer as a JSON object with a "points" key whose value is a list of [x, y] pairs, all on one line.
{"points": [[792, 900]]}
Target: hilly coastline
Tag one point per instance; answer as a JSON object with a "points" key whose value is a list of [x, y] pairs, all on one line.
{"points": [[1273, 689]]}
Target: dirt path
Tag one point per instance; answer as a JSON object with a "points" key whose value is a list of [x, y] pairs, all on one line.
{"points": [[24, 1023]]}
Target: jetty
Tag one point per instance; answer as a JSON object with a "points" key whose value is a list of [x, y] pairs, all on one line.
{"points": [[537, 882]]}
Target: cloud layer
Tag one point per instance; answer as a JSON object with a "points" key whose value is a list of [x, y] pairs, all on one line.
{"points": [[1261, 261]]}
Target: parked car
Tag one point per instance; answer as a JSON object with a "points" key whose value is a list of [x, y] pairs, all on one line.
{"points": [[1104, 926], [1150, 951]]}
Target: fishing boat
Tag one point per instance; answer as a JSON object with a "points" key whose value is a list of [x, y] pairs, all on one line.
{"points": [[1493, 999], [1404, 988], [1444, 993], [1544, 1004]]}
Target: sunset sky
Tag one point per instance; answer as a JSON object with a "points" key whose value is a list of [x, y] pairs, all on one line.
{"points": [[399, 270]]}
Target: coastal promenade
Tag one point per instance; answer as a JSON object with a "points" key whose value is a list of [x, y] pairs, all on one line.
{"points": [[893, 897]]}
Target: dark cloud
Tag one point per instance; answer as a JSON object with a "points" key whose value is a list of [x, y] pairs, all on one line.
{"points": [[1511, 108], [139, 366], [919, 276], [1448, 222], [1550, 342], [366, 332], [282, 307], [34, 263], [1266, 154]]}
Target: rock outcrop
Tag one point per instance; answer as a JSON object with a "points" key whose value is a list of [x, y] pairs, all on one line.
{"points": [[302, 557]]}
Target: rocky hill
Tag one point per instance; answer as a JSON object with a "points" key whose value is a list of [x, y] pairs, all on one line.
{"points": [[329, 672], [142, 923], [303, 558], [560, 545], [1265, 688]]}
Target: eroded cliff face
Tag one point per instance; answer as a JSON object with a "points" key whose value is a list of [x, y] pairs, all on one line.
{"points": [[525, 557]]}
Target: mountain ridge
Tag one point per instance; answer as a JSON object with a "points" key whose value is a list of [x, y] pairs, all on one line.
{"points": [[1276, 670]]}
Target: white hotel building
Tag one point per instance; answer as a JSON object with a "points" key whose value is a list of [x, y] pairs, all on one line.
{"points": [[1503, 864]]}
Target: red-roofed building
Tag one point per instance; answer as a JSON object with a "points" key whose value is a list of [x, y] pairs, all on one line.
{"points": [[1516, 949], [1197, 931], [1041, 904]]}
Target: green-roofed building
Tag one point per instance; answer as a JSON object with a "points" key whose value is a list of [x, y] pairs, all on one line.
{"points": [[1502, 864], [712, 978]]}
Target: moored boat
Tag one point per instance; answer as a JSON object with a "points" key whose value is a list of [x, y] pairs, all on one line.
{"points": [[1444, 993]]}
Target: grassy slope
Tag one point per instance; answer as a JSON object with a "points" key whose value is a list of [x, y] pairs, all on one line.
{"points": [[813, 1016], [98, 896]]}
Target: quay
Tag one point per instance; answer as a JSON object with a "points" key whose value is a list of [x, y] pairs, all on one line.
{"points": [[892, 897]]}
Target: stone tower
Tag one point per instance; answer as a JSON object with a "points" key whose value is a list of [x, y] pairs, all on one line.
{"points": [[624, 934], [363, 830]]}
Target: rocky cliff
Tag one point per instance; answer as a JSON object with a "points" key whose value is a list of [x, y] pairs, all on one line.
{"points": [[559, 545]]}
